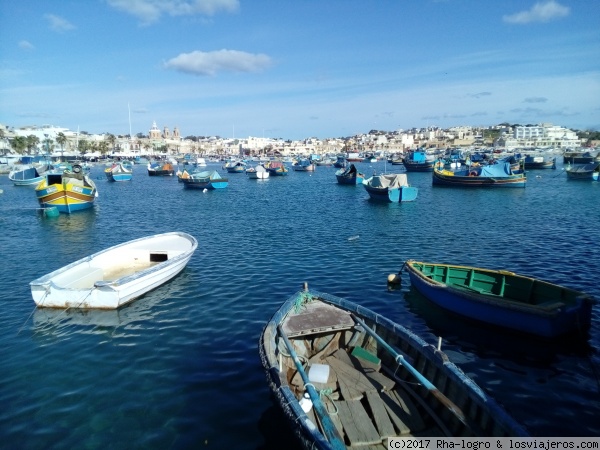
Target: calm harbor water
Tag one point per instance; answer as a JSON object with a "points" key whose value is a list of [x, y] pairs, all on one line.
{"points": [[179, 368]]}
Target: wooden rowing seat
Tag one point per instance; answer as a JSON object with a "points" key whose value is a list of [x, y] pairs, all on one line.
{"points": [[317, 317]]}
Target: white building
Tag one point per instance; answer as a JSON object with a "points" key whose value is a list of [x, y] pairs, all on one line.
{"points": [[544, 135]]}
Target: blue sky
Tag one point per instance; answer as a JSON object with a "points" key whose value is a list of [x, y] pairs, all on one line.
{"points": [[298, 69]]}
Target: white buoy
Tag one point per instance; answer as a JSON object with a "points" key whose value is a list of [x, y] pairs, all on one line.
{"points": [[394, 278], [205, 190]]}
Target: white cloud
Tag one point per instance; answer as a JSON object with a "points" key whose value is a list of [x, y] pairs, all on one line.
{"points": [[209, 63], [58, 23], [540, 12], [26, 45], [150, 11]]}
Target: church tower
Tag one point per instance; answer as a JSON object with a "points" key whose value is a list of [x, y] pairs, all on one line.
{"points": [[154, 132]]}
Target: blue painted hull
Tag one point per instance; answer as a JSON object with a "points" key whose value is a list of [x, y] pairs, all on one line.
{"points": [[121, 177], [205, 180], [502, 312], [391, 188], [395, 195]]}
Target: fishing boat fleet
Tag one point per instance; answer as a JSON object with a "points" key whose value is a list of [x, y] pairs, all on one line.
{"points": [[343, 375]]}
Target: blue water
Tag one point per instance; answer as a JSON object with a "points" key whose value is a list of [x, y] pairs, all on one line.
{"points": [[179, 368]]}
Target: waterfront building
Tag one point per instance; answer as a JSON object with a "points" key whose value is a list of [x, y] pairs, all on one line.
{"points": [[544, 135]]}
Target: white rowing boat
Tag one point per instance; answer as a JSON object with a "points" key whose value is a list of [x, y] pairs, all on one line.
{"points": [[116, 276]]}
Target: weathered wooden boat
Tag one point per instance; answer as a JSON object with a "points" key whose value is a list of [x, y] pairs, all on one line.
{"points": [[418, 161], [340, 162], [304, 165], [536, 162], [160, 169], [391, 187], [116, 276], [579, 157], [68, 191], [583, 171], [119, 172], [207, 179], [498, 175], [349, 175], [29, 176], [235, 166], [257, 172], [347, 377], [502, 298], [276, 168]]}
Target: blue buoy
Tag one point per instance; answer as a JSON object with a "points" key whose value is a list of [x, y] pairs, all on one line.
{"points": [[52, 211]]}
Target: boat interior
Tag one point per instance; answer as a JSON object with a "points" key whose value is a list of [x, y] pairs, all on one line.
{"points": [[368, 395]]}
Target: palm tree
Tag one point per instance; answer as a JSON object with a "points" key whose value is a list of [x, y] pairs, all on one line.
{"points": [[111, 140], [32, 142], [19, 144], [83, 146], [61, 139]]}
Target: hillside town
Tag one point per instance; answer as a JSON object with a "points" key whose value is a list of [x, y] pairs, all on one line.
{"points": [[62, 142]]}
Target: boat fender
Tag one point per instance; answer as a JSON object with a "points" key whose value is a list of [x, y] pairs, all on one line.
{"points": [[76, 168], [473, 174], [394, 278]]}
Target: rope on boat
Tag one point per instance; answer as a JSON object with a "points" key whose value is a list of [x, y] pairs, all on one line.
{"points": [[302, 300]]}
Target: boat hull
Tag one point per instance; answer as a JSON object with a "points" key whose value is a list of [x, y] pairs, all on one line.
{"points": [[349, 175], [394, 195], [391, 188], [447, 178], [116, 276], [118, 173], [25, 177], [66, 193], [545, 312], [412, 166], [583, 171], [483, 412]]}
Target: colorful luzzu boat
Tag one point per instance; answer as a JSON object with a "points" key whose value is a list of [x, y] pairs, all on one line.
{"points": [[68, 191]]}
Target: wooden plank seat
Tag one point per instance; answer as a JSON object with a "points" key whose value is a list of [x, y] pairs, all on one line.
{"points": [[317, 317]]}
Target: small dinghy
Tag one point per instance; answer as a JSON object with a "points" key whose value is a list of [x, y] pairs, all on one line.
{"points": [[116, 276]]}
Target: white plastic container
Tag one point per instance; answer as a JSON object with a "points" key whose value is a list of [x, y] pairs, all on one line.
{"points": [[306, 403], [318, 373]]}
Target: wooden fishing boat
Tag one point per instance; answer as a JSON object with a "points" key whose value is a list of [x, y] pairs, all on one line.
{"points": [[276, 168], [29, 176], [68, 191], [498, 175], [418, 161], [304, 165], [257, 173], [583, 171], [349, 175], [160, 169], [340, 162], [535, 162], [207, 179], [502, 298], [235, 166], [347, 377], [391, 187], [119, 172], [116, 276]]}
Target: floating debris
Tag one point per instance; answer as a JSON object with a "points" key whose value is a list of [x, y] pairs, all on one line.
{"points": [[353, 238]]}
